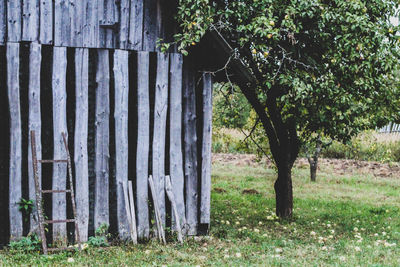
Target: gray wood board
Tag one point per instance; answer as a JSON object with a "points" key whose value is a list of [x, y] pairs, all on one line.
{"points": [[190, 149], [62, 22], [143, 145], [101, 212], [136, 25], [121, 74], [30, 20], [175, 123], [206, 150], [59, 126], [14, 20], [81, 141], [15, 190], [46, 22], [35, 122], [160, 130], [3, 21]]}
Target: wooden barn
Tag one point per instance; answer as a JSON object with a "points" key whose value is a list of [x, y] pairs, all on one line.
{"points": [[92, 69]]}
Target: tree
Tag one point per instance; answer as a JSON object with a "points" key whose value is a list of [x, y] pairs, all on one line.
{"points": [[319, 66]]}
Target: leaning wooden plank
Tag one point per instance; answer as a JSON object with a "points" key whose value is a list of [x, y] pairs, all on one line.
{"points": [[206, 150], [150, 25], [136, 25], [62, 23], [121, 77], [15, 192], [132, 212], [30, 17], [124, 24], [46, 22], [160, 228], [170, 193], [190, 148], [3, 23], [14, 19], [101, 206], [91, 24], [81, 138], [160, 130], [59, 126], [127, 209], [35, 123], [143, 144], [175, 142]]}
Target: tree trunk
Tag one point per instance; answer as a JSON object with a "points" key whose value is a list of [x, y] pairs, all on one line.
{"points": [[313, 171], [284, 193]]}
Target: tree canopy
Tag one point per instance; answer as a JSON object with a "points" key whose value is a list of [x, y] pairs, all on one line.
{"points": [[320, 66]]}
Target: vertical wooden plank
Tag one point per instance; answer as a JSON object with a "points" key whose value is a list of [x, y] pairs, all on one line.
{"points": [[143, 145], [190, 149], [3, 23], [15, 190], [30, 20], [77, 15], [206, 150], [175, 153], [35, 123], [46, 22], [136, 25], [150, 25], [107, 15], [81, 138], [121, 75], [101, 212], [62, 23], [59, 126], [124, 24], [91, 23], [160, 130], [14, 20]]}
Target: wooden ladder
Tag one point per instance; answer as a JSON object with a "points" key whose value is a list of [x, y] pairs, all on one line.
{"points": [[39, 192]]}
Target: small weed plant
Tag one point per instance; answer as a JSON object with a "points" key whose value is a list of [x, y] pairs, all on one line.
{"points": [[101, 237]]}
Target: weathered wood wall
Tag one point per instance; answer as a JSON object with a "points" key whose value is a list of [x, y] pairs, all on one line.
{"points": [[123, 24], [145, 99]]}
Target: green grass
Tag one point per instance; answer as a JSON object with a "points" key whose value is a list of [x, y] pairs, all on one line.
{"points": [[342, 220]]}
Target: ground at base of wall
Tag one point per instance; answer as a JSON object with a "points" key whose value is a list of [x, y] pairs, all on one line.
{"points": [[348, 219]]}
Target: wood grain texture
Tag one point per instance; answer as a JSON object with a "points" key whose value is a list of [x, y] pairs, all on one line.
{"points": [[150, 25], [46, 22], [30, 20], [78, 16], [107, 14], [35, 123], [59, 126], [159, 132], [123, 42], [15, 190], [14, 21], [62, 22], [171, 197], [143, 145], [91, 24], [206, 150], [190, 149], [101, 212], [3, 21], [175, 142], [136, 25], [81, 140], [121, 76]]}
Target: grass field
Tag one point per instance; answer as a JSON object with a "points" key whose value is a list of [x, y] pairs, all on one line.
{"points": [[342, 220]]}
